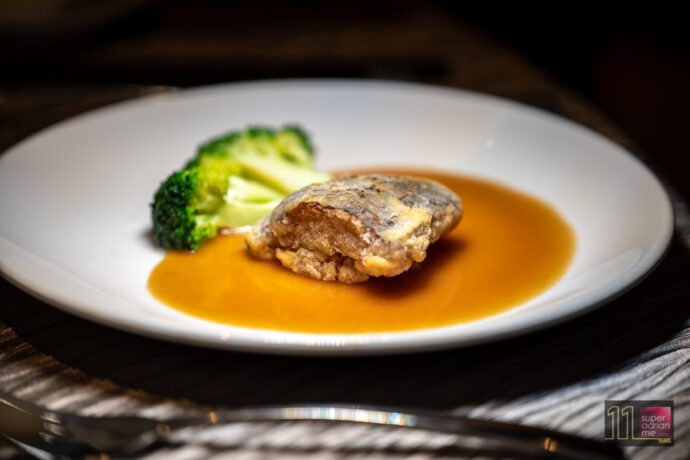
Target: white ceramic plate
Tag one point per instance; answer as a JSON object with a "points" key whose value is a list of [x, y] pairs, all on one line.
{"points": [[75, 216]]}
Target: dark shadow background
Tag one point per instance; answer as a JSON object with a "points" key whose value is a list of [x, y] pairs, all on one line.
{"points": [[631, 63]]}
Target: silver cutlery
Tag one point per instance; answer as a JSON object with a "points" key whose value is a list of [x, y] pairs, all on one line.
{"points": [[55, 435]]}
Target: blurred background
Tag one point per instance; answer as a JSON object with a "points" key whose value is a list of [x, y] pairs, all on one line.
{"points": [[631, 66]]}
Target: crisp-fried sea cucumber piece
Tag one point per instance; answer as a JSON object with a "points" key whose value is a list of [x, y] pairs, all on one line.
{"points": [[355, 227]]}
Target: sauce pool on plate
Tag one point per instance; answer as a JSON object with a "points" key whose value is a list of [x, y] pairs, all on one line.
{"points": [[507, 249]]}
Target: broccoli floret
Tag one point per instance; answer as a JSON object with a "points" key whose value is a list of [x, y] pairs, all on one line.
{"points": [[295, 145], [178, 218], [233, 181]]}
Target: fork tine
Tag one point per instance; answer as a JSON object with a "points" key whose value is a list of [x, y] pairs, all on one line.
{"points": [[26, 426]]}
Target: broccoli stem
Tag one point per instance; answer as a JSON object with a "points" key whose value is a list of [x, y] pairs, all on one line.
{"points": [[246, 202], [278, 173]]}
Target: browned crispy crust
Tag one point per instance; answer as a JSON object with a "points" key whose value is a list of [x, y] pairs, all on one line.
{"points": [[358, 226]]}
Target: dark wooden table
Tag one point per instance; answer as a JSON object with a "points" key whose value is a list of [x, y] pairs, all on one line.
{"points": [[635, 347]]}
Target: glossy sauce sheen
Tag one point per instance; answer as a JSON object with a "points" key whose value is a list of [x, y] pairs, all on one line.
{"points": [[508, 248]]}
